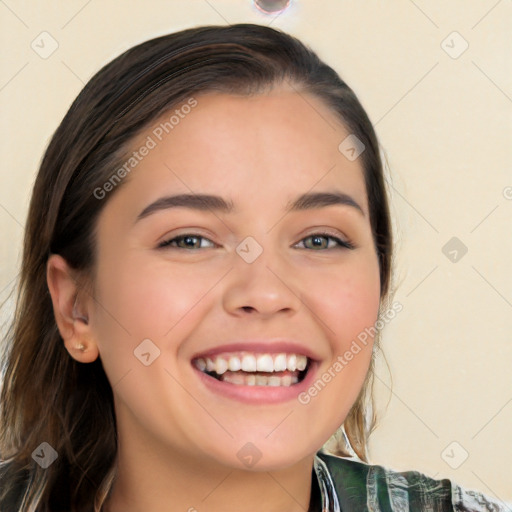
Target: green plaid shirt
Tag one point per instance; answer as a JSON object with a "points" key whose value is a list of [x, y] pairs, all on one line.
{"points": [[347, 485]]}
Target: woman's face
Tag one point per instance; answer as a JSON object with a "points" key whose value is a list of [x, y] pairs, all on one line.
{"points": [[259, 279]]}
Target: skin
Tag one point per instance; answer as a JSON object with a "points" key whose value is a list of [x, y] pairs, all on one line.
{"points": [[178, 441]]}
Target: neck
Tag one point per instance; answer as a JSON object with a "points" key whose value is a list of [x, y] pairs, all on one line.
{"points": [[168, 478], [187, 485]]}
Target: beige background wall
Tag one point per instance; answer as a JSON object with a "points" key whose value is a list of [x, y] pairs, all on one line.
{"points": [[445, 122]]}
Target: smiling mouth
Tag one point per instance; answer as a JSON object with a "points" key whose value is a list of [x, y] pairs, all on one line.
{"points": [[250, 369]]}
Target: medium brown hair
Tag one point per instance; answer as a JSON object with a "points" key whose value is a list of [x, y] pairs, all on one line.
{"points": [[47, 396]]}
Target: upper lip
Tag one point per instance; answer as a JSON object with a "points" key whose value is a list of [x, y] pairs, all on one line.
{"points": [[261, 346]]}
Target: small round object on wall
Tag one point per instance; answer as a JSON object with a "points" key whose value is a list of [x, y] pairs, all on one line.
{"points": [[272, 6]]}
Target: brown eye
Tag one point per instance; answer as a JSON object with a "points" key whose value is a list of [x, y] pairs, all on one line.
{"points": [[187, 241]]}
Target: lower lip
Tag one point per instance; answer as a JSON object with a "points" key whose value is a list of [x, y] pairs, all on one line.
{"points": [[258, 394]]}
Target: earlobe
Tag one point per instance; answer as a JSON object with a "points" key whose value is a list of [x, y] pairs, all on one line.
{"points": [[70, 307]]}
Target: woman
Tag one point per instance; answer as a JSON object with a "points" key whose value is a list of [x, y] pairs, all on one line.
{"points": [[207, 239]]}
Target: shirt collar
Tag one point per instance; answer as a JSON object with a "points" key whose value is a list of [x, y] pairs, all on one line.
{"points": [[328, 493]]}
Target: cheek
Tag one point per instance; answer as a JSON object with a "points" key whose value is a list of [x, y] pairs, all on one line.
{"points": [[349, 310], [347, 301], [139, 298], [145, 297]]}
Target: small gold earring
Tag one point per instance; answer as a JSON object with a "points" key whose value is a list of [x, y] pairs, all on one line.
{"points": [[81, 347]]}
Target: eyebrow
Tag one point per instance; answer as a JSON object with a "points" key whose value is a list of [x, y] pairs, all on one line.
{"points": [[204, 202]]}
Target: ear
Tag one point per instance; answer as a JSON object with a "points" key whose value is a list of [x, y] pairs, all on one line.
{"points": [[72, 308]]}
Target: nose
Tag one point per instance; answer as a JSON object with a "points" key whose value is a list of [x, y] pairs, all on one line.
{"points": [[265, 287]]}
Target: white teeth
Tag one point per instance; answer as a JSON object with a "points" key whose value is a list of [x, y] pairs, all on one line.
{"points": [[235, 378], [234, 364], [221, 365], [251, 363], [265, 363], [286, 380], [251, 379], [261, 380], [302, 362], [280, 363], [273, 381]]}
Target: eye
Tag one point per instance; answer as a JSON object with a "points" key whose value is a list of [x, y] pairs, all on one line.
{"points": [[318, 238], [189, 242], [192, 241]]}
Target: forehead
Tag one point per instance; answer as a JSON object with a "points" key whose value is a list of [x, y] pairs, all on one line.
{"points": [[278, 144]]}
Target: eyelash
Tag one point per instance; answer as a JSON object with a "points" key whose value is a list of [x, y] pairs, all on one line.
{"points": [[342, 244]]}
